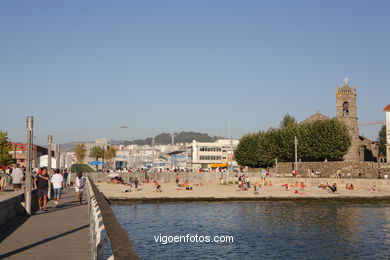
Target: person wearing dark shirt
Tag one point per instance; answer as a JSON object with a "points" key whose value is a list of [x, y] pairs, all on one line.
{"points": [[41, 183], [333, 188]]}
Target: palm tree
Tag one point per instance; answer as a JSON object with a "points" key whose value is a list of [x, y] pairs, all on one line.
{"points": [[96, 152]]}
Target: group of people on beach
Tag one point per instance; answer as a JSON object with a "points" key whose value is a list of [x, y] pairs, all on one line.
{"points": [[244, 182]]}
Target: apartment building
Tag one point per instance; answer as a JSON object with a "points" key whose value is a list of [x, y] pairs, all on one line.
{"points": [[211, 155]]}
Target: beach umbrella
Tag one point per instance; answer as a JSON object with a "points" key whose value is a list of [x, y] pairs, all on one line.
{"points": [[96, 163]]}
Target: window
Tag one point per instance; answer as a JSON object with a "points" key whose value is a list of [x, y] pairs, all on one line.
{"points": [[210, 158], [210, 149], [346, 108]]}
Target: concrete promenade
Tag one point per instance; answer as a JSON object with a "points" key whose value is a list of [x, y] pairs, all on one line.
{"points": [[59, 233]]}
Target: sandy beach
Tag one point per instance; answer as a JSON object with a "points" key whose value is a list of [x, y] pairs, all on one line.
{"points": [[209, 191]]}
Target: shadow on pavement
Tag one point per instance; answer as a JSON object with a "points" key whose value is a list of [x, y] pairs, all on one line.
{"points": [[16, 251]]}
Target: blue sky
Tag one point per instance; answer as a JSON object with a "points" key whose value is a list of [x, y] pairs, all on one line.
{"points": [[84, 68]]}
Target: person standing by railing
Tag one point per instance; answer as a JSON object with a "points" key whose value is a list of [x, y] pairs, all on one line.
{"points": [[79, 188]]}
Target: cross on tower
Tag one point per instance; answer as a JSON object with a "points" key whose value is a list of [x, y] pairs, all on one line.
{"points": [[346, 80]]}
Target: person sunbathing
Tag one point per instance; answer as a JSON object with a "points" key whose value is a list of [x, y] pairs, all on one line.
{"points": [[187, 185], [373, 188]]}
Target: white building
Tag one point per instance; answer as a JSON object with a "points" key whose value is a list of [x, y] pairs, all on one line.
{"points": [[43, 162], [208, 155]]}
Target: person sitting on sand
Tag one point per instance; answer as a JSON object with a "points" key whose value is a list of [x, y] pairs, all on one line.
{"points": [[333, 188], [244, 187], [187, 185], [302, 185], [256, 188], [270, 183], [157, 186], [373, 188], [323, 186], [286, 186], [349, 186]]}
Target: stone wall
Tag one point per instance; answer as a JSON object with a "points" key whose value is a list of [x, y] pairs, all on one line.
{"points": [[193, 177], [328, 169], [14, 206]]}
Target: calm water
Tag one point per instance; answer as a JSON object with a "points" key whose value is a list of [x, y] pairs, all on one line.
{"points": [[260, 230]]}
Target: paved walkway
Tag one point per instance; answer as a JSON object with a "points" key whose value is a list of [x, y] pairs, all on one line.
{"points": [[59, 233]]}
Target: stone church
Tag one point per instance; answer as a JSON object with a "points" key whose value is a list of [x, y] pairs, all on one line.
{"points": [[362, 149]]}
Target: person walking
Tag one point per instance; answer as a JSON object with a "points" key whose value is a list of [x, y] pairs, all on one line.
{"points": [[65, 176], [17, 178], [41, 183], [79, 188], [3, 180], [57, 181]]}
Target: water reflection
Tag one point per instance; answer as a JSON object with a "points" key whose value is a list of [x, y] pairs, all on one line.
{"points": [[261, 230]]}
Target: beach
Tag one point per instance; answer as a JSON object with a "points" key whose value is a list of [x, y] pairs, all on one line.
{"points": [[219, 192]]}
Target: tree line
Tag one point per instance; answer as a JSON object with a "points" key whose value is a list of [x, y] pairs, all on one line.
{"points": [[96, 152], [325, 139]]}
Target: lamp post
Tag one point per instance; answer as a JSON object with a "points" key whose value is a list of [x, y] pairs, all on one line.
{"points": [[377, 160], [49, 143], [29, 127], [103, 161], [296, 154]]}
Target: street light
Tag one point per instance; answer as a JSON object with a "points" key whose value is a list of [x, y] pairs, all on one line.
{"points": [[296, 154], [29, 126], [377, 160]]}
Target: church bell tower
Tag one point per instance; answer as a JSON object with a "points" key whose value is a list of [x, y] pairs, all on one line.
{"points": [[346, 112]]}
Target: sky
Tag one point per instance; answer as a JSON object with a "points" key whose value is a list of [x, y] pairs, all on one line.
{"points": [[83, 69]]}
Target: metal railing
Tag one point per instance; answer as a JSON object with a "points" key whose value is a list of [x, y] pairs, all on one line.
{"points": [[96, 225], [105, 228]]}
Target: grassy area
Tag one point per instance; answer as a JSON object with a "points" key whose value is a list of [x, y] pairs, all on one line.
{"points": [[81, 168]]}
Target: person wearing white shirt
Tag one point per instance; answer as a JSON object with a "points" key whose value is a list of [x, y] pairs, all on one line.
{"points": [[57, 180]]}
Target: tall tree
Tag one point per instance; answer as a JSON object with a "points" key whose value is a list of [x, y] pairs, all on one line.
{"points": [[5, 149], [80, 151], [287, 121], [246, 152], [382, 141], [109, 155], [318, 140], [96, 152]]}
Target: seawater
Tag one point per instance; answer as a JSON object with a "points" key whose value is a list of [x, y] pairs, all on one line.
{"points": [[261, 230]]}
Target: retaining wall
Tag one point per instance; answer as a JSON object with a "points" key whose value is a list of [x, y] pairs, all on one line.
{"points": [[329, 169], [14, 206]]}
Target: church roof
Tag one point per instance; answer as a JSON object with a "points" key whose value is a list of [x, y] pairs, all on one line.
{"points": [[387, 108], [314, 117]]}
